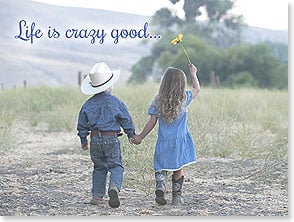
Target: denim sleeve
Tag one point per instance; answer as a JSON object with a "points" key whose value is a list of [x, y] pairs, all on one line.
{"points": [[83, 128], [125, 120]]}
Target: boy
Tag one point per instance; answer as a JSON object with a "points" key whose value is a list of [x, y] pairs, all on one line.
{"points": [[102, 116]]}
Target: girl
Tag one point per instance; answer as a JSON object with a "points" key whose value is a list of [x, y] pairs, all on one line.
{"points": [[174, 148]]}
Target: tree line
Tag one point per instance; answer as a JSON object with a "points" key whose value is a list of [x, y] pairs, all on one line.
{"points": [[215, 46]]}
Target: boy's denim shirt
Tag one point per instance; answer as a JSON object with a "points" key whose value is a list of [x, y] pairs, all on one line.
{"points": [[104, 112]]}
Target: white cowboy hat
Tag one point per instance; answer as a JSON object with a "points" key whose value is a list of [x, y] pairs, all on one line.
{"points": [[99, 79]]}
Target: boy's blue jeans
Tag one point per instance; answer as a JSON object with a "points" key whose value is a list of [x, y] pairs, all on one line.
{"points": [[106, 155]]}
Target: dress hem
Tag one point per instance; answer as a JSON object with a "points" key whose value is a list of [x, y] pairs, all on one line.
{"points": [[177, 168]]}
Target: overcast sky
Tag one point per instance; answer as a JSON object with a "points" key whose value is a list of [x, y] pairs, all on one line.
{"points": [[272, 14]]}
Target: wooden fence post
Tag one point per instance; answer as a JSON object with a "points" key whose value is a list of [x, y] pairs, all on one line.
{"points": [[214, 80], [218, 83], [80, 78]]}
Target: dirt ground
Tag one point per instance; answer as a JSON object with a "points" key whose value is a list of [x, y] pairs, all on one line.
{"points": [[47, 174]]}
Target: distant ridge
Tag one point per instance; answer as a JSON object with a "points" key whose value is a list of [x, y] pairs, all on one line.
{"points": [[256, 34], [56, 62]]}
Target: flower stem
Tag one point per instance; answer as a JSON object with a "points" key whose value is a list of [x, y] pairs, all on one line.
{"points": [[185, 52]]}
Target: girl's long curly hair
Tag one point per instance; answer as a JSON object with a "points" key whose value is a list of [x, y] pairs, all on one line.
{"points": [[171, 97]]}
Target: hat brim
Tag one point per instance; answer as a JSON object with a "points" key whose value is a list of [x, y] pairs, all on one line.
{"points": [[88, 89]]}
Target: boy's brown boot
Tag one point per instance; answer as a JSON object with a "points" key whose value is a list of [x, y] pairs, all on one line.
{"points": [[177, 191], [113, 197], [97, 200], [160, 178]]}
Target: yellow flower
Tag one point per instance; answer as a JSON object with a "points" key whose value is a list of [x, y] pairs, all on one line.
{"points": [[177, 40]]}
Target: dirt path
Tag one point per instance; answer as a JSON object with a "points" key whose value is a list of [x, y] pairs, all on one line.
{"points": [[47, 174]]}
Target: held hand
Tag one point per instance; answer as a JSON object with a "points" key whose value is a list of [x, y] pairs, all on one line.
{"points": [[136, 139], [193, 69], [84, 146], [131, 141]]}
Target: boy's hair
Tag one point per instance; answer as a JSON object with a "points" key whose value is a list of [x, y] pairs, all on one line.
{"points": [[171, 97]]}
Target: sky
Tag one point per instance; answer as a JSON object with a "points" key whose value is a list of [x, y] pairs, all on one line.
{"points": [[271, 14]]}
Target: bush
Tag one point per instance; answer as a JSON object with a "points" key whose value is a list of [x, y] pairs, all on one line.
{"points": [[241, 79]]}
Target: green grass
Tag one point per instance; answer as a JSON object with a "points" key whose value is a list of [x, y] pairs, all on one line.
{"points": [[55, 106], [245, 123], [239, 124], [226, 123]]}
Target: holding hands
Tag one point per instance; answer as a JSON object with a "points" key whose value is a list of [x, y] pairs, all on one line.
{"points": [[136, 139], [84, 146]]}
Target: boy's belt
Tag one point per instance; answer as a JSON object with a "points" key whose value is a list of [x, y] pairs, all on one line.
{"points": [[105, 133]]}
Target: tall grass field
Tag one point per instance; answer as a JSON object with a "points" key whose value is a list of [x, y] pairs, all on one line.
{"points": [[224, 123]]}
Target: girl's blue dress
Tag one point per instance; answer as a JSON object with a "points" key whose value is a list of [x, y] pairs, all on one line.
{"points": [[174, 147]]}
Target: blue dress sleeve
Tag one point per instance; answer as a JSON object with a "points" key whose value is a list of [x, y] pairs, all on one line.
{"points": [[189, 97], [152, 109]]}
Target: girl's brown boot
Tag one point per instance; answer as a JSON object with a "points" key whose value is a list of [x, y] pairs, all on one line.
{"points": [[177, 191], [160, 178]]}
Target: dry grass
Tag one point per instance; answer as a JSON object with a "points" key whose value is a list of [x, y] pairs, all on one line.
{"points": [[226, 123], [241, 139]]}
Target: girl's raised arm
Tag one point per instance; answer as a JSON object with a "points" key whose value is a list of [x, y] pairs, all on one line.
{"points": [[195, 81]]}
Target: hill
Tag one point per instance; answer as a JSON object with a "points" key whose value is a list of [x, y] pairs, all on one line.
{"points": [[253, 34], [56, 61]]}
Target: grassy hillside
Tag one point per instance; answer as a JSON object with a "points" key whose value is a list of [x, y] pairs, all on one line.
{"points": [[225, 123], [56, 62], [240, 123]]}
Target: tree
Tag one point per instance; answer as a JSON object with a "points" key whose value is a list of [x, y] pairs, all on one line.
{"points": [[207, 57], [241, 79], [280, 50], [163, 17], [142, 69], [192, 9], [216, 10], [256, 60], [212, 47]]}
